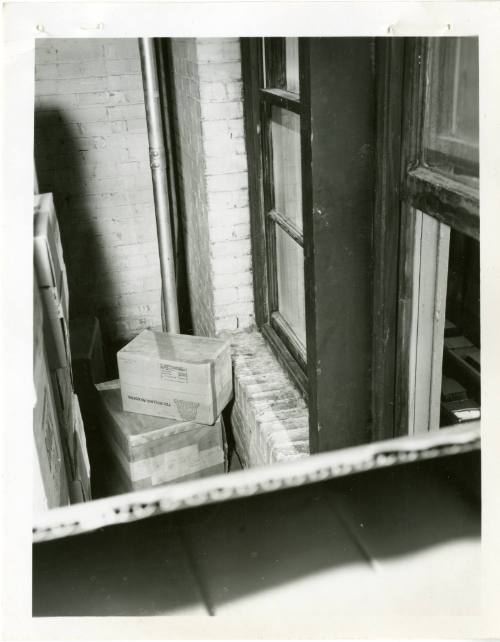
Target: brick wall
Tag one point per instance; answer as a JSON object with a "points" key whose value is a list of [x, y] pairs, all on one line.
{"points": [[269, 418], [91, 151], [214, 187]]}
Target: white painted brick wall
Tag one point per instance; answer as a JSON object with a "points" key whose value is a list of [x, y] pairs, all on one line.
{"points": [[91, 150], [209, 106]]}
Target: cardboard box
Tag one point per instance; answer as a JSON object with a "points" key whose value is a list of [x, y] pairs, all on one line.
{"points": [[39, 497], [62, 387], [150, 451], [176, 376], [48, 253], [52, 281], [55, 305], [51, 464], [37, 320], [81, 462]]}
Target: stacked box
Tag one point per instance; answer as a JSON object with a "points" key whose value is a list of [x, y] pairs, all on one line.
{"points": [[62, 387], [52, 280], [49, 260], [176, 376], [149, 451], [50, 474], [55, 303], [51, 339], [81, 463]]}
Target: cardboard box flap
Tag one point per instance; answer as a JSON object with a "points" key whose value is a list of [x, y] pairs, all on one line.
{"points": [[214, 489], [176, 347]]}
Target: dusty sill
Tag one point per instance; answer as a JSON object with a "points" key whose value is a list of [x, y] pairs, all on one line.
{"points": [[269, 417]]}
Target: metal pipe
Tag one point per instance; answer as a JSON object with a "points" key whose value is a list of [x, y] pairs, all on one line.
{"points": [[161, 64], [157, 159]]}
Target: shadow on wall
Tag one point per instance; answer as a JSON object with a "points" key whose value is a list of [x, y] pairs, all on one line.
{"points": [[61, 169], [177, 195]]}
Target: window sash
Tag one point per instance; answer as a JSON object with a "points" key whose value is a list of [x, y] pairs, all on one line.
{"points": [[451, 201], [259, 101], [404, 184], [269, 98]]}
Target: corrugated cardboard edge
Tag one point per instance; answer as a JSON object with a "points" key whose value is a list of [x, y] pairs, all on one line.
{"points": [[80, 518], [225, 344]]}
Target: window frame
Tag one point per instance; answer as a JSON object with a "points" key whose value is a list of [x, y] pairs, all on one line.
{"points": [[451, 201], [403, 189], [258, 102]]}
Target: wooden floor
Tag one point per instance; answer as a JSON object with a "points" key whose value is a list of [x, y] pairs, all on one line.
{"points": [[402, 541]]}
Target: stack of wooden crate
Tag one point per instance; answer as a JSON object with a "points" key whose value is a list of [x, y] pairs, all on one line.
{"points": [[62, 467], [161, 419]]}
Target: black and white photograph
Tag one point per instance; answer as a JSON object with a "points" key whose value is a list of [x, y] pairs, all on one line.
{"points": [[257, 327]]}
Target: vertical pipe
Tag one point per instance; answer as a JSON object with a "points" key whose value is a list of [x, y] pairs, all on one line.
{"points": [[158, 164], [161, 62]]}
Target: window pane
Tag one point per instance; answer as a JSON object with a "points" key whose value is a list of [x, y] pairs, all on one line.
{"points": [[451, 136], [292, 64], [281, 63], [285, 133], [290, 277]]}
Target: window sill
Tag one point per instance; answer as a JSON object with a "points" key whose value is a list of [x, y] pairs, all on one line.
{"points": [[269, 416]]}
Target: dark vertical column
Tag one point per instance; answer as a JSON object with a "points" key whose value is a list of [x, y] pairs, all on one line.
{"points": [[338, 231]]}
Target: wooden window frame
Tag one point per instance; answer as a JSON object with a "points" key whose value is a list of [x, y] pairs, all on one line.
{"points": [[258, 101], [453, 202], [405, 184]]}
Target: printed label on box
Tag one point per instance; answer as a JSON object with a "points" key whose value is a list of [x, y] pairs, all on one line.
{"points": [[188, 410], [153, 402], [168, 372]]}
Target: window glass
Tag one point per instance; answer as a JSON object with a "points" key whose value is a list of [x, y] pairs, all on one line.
{"points": [[292, 65], [285, 134], [451, 132], [290, 278], [281, 63]]}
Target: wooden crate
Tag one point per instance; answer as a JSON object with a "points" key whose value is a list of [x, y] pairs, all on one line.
{"points": [[149, 451], [176, 376]]}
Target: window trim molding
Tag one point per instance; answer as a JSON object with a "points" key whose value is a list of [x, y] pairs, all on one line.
{"points": [[389, 55]]}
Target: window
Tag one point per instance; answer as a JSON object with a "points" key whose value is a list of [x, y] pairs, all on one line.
{"points": [[309, 114], [277, 123], [451, 128], [364, 193], [437, 349]]}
